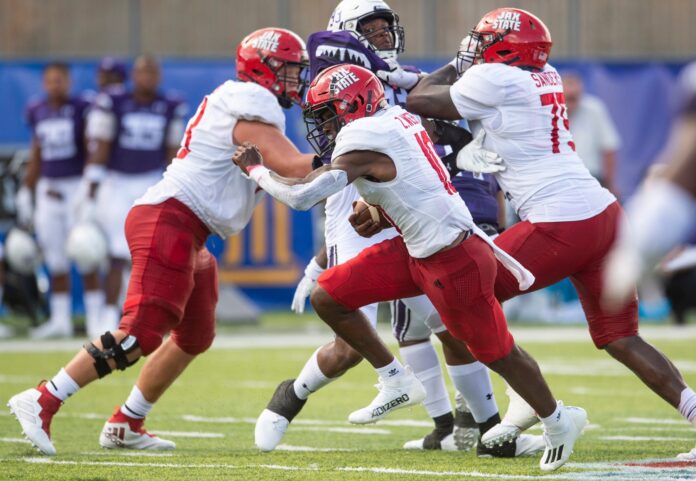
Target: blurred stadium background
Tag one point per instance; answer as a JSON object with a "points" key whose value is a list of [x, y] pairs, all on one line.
{"points": [[628, 52]]}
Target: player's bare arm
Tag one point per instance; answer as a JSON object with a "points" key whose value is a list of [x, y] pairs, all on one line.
{"points": [[431, 96], [302, 194], [681, 169], [33, 165], [279, 153]]}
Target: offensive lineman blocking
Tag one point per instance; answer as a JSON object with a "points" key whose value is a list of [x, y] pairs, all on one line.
{"points": [[389, 156], [173, 285]]}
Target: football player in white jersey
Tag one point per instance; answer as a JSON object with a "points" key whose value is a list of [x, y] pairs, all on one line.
{"points": [[569, 221], [173, 287], [388, 155], [670, 201], [367, 32]]}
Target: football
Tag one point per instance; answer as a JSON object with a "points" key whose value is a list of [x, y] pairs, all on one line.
{"points": [[364, 211]]}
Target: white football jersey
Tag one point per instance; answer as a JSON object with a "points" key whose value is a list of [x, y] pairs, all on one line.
{"points": [[203, 175], [421, 202], [525, 119]]}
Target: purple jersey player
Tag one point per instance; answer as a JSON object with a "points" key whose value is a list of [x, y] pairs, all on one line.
{"points": [[367, 33], [135, 134], [54, 170]]}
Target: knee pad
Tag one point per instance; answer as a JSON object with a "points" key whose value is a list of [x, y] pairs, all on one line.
{"points": [[112, 350]]}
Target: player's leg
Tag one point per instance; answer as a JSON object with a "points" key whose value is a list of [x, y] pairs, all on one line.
{"points": [[94, 302], [379, 273], [417, 352], [464, 297], [51, 226], [191, 337], [163, 240], [324, 366]]}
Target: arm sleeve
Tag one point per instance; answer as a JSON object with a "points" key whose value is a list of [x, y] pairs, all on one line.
{"points": [[476, 94], [301, 196]]}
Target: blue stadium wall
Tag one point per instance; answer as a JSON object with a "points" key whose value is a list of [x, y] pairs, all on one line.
{"points": [[267, 259]]}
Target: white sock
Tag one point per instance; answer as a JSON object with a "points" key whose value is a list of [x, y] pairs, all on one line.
{"points": [[62, 385], [311, 379], [136, 406], [392, 370], [426, 367], [555, 422], [110, 317], [94, 301], [61, 308], [474, 383], [687, 405]]}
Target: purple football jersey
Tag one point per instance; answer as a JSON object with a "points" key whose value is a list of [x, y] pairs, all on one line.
{"points": [[60, 133], [140, 141], [478, 192]]}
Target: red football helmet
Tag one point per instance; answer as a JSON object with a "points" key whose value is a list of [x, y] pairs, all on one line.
{"points": [[336, 97], [512, 36], [264, 56]]}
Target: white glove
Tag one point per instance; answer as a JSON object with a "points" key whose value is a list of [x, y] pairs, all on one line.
{"points": [[307, 283], [465, 56], [623, 268], [397, 76], [25, 206], [474, 158]]}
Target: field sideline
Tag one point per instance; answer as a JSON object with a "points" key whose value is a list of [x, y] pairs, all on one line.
{"points": [[210, 412]]}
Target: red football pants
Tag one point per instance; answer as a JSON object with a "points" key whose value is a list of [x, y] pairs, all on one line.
{"points": [[459, 282], [173, 283], [553, 251]]}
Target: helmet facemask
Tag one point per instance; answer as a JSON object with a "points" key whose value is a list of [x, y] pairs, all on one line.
{"points": [[318, 117], [393, 28], [288, 86]]}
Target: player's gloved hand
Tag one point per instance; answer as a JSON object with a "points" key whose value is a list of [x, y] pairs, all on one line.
{"points": [[247, 155], [465, 56], [25, 206], [397, 76], [474, 158], [307, 283]]}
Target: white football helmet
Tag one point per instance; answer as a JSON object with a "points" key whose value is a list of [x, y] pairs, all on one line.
{"points": [[87, 247], [348, 15], [22, 252]]}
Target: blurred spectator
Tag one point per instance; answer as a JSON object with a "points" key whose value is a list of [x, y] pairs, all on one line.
{"points": [[594, 133], [133, 135], [45, 199], [111, 73]]}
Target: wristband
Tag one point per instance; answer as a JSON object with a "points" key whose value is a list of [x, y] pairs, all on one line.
{"points": [[95, 172]]}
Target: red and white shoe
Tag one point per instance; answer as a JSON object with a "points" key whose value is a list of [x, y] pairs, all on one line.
{"points": [[125, 432], [34, 409]]}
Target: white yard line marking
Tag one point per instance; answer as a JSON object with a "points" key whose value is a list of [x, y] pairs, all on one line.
{"points": [[681, 422], [288, 447], [305, 422], [644, 438], [346, 430], [15, 440], [129, 453], [10, 379], [188, 434], [617, 471]]}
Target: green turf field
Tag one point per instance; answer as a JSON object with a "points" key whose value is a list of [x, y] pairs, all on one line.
{"points": [[210, 414]]}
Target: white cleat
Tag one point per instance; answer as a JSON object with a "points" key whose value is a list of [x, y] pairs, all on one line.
{"points": [[52, 329], [123, 432], [270, 429], [524, 445], [559, 445], [519, 417], [529, 445], [690, 456], [34, 409], [395, 393], [431, 442], [466, 430]]}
